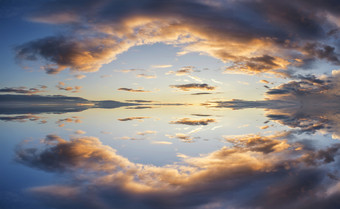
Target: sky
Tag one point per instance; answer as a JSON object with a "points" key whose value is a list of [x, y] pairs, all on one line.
{"points": [[123, 50], [170, 104]]}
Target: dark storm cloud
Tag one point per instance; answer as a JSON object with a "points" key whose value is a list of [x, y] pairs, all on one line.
{"points": [[259, 172], [322, 52], [322, 156], [58, 50], [66, 52], [194, 86], [254, 36]]}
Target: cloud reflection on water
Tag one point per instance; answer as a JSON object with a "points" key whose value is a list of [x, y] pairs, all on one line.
{"points": [[256, 172]]}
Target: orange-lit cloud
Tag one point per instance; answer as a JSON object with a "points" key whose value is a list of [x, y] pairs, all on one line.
{"points": [[182, 137], [80, 132], [80, 76], [265, 144], [130, 70], [133, 118], [183, 71], [268, 161], [146, 76], [194, 122], [264, 81], [146, 132], [250, 44], [161, 66], [75, 89], [61, 122]]}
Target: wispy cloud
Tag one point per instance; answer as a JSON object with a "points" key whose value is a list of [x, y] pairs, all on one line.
{"points": [[139, 100], [185, 71], [146, 132], [127, 138], [146, 76], [133, 90], [194, 86], [215, 81], [181, 136], [161, 66], [161, 142], [80, 132], [80, 76], [130, 70], [133, 118], [139, 107], [182, 72], [105, 76], [23, 90], [194, 122], [201, 115], [22, 118], [243, 83], [264, 81], [201, 93]]}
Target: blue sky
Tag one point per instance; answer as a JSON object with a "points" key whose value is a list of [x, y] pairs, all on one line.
{"points": [[233, 104], [260, 46]]}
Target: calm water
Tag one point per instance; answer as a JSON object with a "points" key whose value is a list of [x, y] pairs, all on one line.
{"points": [[169, 157]]}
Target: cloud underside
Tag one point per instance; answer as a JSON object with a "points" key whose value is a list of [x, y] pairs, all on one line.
{"points": [[133, 118], [276, 173], [35, 104], [194, 86], [308, 104], [23, 90], [250, 36], [133, 90]]}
